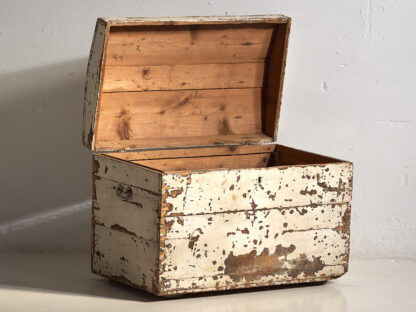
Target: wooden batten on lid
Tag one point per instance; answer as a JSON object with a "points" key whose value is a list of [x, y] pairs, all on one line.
{"points": [[184, 82]]}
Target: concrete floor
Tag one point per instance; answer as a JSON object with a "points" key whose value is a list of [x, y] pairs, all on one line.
{"points": [[63, 282]]}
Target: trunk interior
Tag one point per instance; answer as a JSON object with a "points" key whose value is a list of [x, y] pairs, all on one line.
{"points": [[240, 157]]}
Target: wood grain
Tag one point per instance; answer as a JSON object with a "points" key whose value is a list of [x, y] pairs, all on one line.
{"points": [[285, 156], [166, 45], [210, 203], [180, 77], [195, 152], [189, 55], [184, 113], [274, 76], [205, 163], [180, 142], [196, 20]]}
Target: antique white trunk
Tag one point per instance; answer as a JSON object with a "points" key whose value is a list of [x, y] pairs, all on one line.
{"points": [[191, 193]]}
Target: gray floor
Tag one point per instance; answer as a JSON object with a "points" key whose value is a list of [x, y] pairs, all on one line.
{"points": [[63, 282]]}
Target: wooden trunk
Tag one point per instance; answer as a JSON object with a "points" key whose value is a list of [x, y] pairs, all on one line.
{"points": [[191, 192]]}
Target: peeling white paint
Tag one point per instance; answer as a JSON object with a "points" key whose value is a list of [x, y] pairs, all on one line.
{"points": [[388, 58]]}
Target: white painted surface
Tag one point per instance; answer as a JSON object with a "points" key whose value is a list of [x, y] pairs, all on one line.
{"points": [[62, 282], [349, 93]]}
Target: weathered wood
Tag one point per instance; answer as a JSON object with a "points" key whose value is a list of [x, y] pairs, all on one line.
{"points": [[247, 189], [180, 142], [287, 238], [126, 173], [125, 258], [195, 152], [204, 56], [93, 84], [206, 163], [189, 35], [182, 77], [274, 80], [185, 113], [277, 225], [196, 20], [166, 45], [290, 156], [121, 206], [128, 55], [203, 199]]}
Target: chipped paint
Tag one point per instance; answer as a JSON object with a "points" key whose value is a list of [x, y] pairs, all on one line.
{"points": [[188, 20], [300, 233], [251, 267], [294, 186], [176, 233], [273, 241], [92, 85]]}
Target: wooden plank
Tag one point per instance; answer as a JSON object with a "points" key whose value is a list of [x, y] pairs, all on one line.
{"points": [[285, 243], [195, 152], [93, 84], [188, 35], [248, 189], [274, 74], [284, 156], [246, 31], [156, 114], [126, 173], [205, 163], [180, 77], [151, 55], [191, 20], [177, 287], [178, 142], [166, 45], [121, 206], [125, 258]]}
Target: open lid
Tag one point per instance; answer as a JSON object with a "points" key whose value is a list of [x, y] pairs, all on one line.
{"points": [[155, 83]]}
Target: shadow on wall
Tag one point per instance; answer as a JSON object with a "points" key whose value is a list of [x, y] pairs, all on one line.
{"points": [[45, 172]]}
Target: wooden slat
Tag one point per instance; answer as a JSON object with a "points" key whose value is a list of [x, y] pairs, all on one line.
{"points": [[246, 189], [178, 142], [145, 55], [284, 156], [191, 35], [124, 257], [93, 84], [204, 163], [256, 231], [176, 77], [155, 114], [195, 152], [274, 80], [126, 173], [165, 45], [196, 53], [192, 20], [117, 205]]}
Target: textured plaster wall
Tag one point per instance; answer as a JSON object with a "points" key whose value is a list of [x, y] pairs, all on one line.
{"points": [[349, 92]]}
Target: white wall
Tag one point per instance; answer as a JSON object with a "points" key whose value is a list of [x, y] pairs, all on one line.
{"points": [[349, 93]]}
